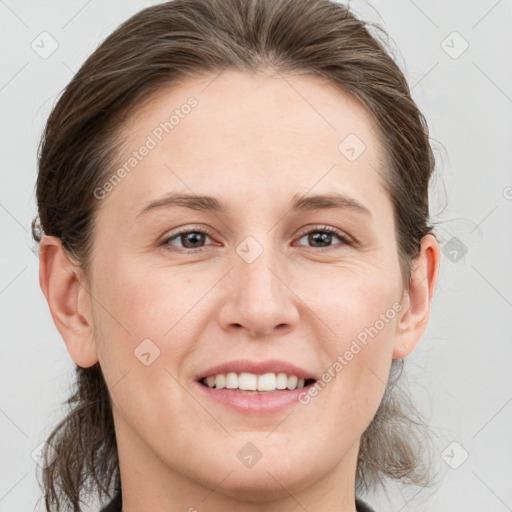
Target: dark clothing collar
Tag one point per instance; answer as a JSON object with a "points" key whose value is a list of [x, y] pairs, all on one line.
{"points": [[116, 504]]}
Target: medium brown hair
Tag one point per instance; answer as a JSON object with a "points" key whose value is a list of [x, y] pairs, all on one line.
{"points": [[159, 47]]}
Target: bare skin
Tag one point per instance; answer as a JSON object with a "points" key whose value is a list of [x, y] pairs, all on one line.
{"points": [[254, 142]]}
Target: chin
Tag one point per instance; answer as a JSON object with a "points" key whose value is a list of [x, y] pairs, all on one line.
{"points": [[260, 486]]}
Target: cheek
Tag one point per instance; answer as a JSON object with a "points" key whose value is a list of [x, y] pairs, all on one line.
{"points": [[360, 303], [143, 301], [148, 314], [361, 310], [143, 342]]}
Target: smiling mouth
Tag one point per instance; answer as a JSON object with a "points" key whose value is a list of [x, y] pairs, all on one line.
{"points": [[307, 382]]}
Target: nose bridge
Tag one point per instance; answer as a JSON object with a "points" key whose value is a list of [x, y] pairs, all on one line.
{"points": [[255, 270], [261, 301]]}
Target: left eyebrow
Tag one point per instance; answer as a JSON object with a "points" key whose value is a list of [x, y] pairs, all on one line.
{"points": [[299, 203]]}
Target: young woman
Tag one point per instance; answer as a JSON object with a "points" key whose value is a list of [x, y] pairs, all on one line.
{"points": [[235, 246]]}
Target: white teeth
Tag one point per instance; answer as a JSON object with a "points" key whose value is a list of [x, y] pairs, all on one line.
{"points": [[292, 382], [281, 381], [266, 382], [246, 381], [231, 380], [220, 381]]}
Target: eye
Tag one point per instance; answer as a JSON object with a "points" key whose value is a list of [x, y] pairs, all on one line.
{"points": [[189, 239], [195, 238], [323, 236]]}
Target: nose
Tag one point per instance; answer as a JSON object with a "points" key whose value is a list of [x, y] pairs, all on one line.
{"points": [[259, 297]]}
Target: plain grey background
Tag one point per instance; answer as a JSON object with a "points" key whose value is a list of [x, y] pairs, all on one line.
{"points": [[456, 56]]}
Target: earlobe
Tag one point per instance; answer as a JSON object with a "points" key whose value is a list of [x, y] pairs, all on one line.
{"points": [[62, 284], [418, 298]]}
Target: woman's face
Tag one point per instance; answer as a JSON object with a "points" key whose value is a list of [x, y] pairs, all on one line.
{"points": [[266, 282]]}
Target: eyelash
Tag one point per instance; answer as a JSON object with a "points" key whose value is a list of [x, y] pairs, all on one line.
{"points": [[345, 240]]}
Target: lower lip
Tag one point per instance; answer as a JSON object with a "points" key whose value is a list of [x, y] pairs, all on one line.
{"points": [[259, 404]]}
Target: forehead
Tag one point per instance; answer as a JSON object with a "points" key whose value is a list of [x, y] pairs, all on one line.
{"points": [[264, 135]]}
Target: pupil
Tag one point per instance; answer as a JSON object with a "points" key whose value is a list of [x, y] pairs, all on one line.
{"points": [[320, 237], [193, 237]]}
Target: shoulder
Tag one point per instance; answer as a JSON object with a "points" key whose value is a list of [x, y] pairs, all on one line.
{"points": [[115, 505]]}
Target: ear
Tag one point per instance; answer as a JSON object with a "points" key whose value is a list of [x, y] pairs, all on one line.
{"points": [[62, 283], [417, 299]]}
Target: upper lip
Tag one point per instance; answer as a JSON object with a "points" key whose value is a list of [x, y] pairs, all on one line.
{"points": [[257, 367]]}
